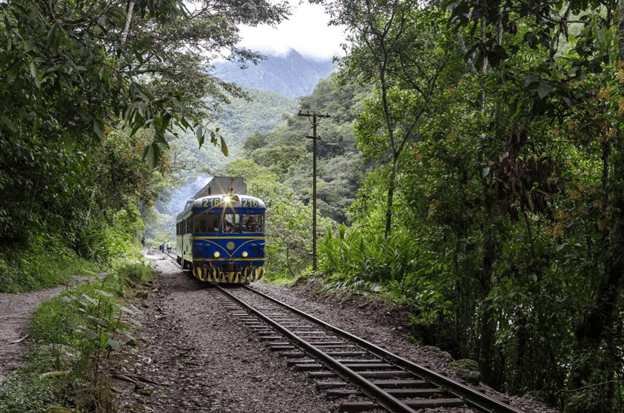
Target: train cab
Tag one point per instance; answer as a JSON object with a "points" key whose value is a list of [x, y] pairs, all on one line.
{"points": [[221, 238]]}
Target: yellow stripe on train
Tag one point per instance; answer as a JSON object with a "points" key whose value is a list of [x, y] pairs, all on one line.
{"points": [[213, 275]]}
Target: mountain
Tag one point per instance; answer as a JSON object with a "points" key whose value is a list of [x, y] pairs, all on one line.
{"points": [[237, 121], [292, 75]]}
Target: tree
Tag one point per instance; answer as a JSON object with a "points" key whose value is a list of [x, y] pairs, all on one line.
{"points": [[91, 87], [575, 89], [80, 66], [395, 46]]}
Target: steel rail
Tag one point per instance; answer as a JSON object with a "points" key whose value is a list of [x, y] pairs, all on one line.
{"points": [[383, 398], [469, 395]]}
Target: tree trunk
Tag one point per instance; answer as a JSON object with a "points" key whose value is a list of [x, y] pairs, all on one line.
{"points": [[391, 186], [596, 346], [488, 327]]}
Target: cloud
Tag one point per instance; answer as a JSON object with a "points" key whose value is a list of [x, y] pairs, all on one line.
{"points": [[306, 31]]}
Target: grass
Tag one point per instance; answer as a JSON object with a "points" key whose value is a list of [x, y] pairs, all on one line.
{"points": [[35, 270], [71, 332]]}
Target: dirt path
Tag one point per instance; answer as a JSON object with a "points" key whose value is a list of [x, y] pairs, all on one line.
{"points": [[14, 311]]}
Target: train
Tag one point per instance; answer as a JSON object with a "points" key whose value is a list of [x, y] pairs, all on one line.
{"points": [[220, 234]]}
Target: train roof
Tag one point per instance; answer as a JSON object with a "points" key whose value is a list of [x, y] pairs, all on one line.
{"points": [[219, 185]]}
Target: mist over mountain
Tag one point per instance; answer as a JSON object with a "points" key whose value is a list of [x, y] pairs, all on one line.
{"points": [[292, 75]]}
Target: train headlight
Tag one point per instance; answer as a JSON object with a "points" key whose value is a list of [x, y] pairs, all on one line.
{"points": [[216, 254], [245, 254]]}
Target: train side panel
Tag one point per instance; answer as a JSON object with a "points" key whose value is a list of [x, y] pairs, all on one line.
{"points": [[184, 240]]}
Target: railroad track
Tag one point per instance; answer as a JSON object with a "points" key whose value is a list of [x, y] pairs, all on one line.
{"points": [[366, 376]]}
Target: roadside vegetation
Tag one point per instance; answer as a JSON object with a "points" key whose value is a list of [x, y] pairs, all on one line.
{"points": [[71, 334], [471, 169], [479, 177]]}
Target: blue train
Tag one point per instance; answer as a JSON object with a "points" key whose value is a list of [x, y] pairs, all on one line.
{"points": [[221, 239]]}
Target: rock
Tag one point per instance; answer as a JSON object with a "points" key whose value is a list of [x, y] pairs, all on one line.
{"points": [[143, 389], [472, 377], [468, 370], [467, 364]]}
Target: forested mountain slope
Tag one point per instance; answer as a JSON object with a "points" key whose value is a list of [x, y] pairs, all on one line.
{"points": [[288, 152], [236, 122], [292, 75]]}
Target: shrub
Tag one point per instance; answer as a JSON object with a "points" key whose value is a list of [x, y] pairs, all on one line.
{"points": [[72, 332]]}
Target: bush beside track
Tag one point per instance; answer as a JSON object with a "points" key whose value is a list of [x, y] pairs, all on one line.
{"points": [[70, 335]]}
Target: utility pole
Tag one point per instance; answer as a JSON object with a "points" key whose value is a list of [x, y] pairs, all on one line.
{"points": [[314, 116]]}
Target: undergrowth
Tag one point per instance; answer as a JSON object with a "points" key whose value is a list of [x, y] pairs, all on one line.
{"points": [[48, 257], [35, 268], [71, 334]]}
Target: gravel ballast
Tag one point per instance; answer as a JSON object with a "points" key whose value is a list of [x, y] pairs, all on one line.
{"points": [[192, 355]]}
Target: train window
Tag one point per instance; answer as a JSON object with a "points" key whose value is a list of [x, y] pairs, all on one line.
{"points": [[178, 228], [182, 228], [253, 222], [207, 223], [231, 223], [189, 224]]}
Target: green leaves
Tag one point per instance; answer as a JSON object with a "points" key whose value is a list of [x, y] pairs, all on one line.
{"points": [[152, 154], [543, 90], [224, 148], [85, 70], [103, 321]]}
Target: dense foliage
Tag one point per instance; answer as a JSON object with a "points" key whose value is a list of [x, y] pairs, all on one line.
{"points": [[89, 91], [62, 205], [498, 182], [287, 151]]}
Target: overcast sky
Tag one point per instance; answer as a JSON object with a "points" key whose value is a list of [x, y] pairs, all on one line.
{"points": [[306, 31]]}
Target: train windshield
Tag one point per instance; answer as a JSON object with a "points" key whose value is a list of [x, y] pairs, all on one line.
{"points": [[252, 223], [231, 223], [207, 223], [213, 223]]}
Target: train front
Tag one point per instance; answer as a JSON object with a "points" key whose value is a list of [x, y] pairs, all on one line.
{"points": [[228, 239]]}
